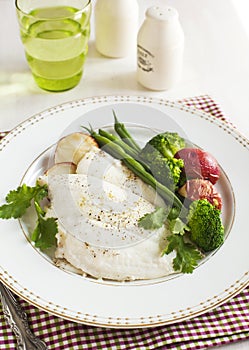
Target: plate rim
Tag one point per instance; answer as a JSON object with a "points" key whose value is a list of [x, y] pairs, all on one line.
{"points": [[122, 323]]}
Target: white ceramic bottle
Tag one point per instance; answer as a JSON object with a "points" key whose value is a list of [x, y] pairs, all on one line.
{"points": [[160, 46], [116, 26]]}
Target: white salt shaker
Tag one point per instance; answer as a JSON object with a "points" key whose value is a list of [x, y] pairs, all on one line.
{"points": [[160, 46], [116, 26]]}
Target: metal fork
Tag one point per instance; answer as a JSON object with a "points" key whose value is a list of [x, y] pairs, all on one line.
{"points": [[18, 322]]}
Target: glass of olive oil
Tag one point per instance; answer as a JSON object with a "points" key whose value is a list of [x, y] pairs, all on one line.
{"points": [[55, 36]]}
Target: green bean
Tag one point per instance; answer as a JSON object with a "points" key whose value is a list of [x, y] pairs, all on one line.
{"points": [[124, 134], [129, 150]]}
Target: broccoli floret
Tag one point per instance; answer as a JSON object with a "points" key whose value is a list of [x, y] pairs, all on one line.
{"points": [[204, 222], [167, 143], [159, 152]]}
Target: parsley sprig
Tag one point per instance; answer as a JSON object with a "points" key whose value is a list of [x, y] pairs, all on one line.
{"points": [[187, 255], [19, 200], [154, 220]]}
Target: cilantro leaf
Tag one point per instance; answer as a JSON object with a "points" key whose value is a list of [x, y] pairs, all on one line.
{"points": [[44, 233], [41, 192], [187, 256], [20, 199], [154, 220], [177, 226], [17, 202]]}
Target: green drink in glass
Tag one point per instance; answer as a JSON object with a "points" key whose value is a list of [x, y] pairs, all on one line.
{"points": [[55, 38]]}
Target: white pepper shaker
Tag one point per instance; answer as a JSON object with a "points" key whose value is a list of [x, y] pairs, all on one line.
{"points": [[160, 46], [116, 26]]}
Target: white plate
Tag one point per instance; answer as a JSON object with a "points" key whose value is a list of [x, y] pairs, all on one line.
{"points": [[125, 305]]}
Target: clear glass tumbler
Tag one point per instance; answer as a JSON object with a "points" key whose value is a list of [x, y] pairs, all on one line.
{"points": [[55, 36]]}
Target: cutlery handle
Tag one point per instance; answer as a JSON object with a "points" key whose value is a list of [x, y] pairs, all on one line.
{"points": [[18, 321]]}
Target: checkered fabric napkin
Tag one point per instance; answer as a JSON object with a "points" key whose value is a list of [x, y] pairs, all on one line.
{"points": [[225, 324]]}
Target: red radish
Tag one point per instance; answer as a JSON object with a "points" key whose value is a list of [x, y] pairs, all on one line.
{"points": [[196, 189], [199, 164]]}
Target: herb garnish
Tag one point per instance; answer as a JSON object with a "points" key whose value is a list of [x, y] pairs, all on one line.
{"points": [[154, 220], [17, 202], [187, 255]]}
